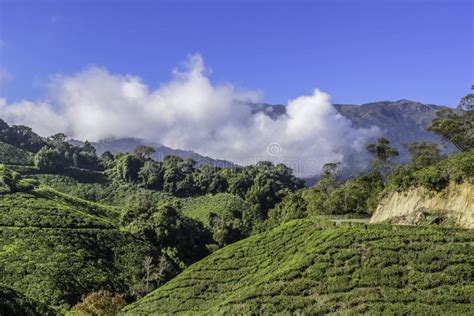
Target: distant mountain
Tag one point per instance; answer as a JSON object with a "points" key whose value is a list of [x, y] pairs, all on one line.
{"points": [[401, 121], [117, 145]]}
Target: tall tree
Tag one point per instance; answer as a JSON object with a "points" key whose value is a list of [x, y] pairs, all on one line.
{"points": [[457, 127], [423, 154], [143, 151], [383, 154], [467, 102]]}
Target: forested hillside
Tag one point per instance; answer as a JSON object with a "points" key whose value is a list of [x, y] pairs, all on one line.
{"points": [[91, 234]]}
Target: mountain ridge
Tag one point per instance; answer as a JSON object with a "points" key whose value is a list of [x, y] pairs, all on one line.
{"points": [[402, 121]]}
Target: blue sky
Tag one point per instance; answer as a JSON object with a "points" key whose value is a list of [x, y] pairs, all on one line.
{"points": [[357, 51]]}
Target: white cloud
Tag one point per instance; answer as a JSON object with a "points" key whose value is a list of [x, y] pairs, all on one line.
{"points": [[190, 112]]}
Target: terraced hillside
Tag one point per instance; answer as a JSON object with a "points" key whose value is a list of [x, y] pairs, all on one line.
{"points": [[54, 248], [309, 266], [99, 190], [47, 208]]}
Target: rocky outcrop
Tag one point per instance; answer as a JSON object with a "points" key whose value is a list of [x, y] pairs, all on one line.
{"points": [[452, 206]]}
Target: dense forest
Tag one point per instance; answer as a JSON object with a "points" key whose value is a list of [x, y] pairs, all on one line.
{"points": [[89, 235]]}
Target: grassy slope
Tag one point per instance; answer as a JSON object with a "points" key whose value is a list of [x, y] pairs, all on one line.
{"points": [[222, 204], [14, 156], [55, 248], [303, 266], [103, 191], [48, 208]]}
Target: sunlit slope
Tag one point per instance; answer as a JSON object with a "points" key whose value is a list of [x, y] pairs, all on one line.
{"points": [[48, 208], [313, 267], [221, 204]]}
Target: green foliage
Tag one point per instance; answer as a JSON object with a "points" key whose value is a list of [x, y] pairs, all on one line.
{"points": [[455, 127], [58, 155], [59, 265], [178, 176], [11, 181], [383, 153], [21, 137], [293, 206], [127, 167], [457, 168], [228, 216], [313, 267], [151, 175], [101, 190], [357, 197], [270, 185], [14, 303], [49, 160], [55, 247], [208, 180], [163, 225], [85, 157], [143, 152], [423, 154], [12, 155], [50, 209]]}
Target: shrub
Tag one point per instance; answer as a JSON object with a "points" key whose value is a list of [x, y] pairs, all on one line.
{"points": [[100, 303]]}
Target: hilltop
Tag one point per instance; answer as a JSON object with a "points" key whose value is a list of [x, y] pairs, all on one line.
{"points": [[309, 266]]}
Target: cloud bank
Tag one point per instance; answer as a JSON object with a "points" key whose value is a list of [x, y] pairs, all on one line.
{"points": [[190, 112]]}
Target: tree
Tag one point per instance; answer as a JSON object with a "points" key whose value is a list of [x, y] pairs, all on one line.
{"points": [[153, 275], [164, 226], [457, 128], [239, 181], [21, 136], [127, 168], [49, 159], [423, 154], [85, 157], [293, 206], [100, 303], [107, 160], [178, 176], [467, 103], [356, 196], [270, 185], [89, 148], [208, 180], [143, 151], [151, 175], [329, 176], [383, 153]]}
